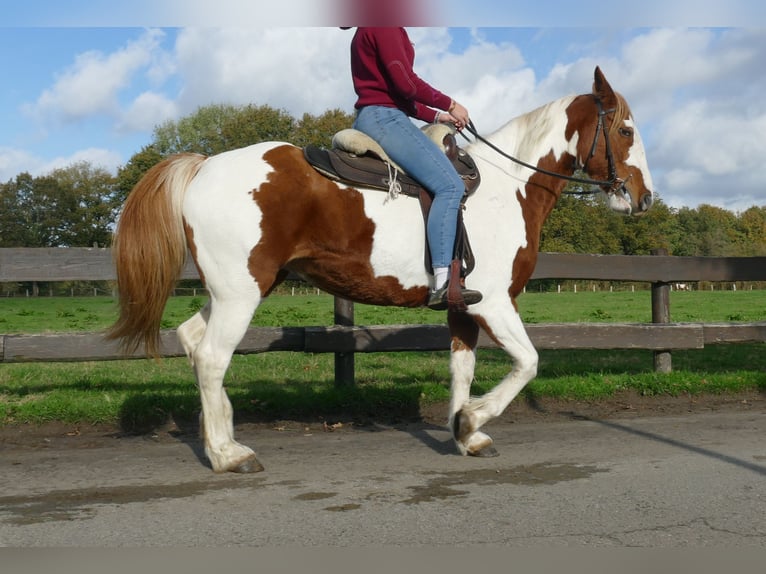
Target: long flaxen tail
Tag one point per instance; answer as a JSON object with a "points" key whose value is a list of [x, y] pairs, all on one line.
{"points": [[149, 251]]}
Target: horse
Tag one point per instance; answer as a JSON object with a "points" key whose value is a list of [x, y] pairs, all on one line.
{"points": [[250, 216]]}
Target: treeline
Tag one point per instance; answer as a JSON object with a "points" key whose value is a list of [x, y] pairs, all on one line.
{"points": [[583, 224], [78, 205]]}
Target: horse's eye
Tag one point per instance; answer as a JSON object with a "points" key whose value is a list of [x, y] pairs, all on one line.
{"points": [[626, 132]]}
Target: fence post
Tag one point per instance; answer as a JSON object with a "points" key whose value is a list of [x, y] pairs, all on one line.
{"points": [[661, 314], [344, 362]]}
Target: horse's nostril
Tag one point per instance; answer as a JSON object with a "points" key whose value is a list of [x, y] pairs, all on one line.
{"points": [[646, 201]]}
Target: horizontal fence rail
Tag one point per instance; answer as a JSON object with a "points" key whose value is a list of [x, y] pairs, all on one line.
{"points": [[95, 264], [344, 339], [60, 347]]}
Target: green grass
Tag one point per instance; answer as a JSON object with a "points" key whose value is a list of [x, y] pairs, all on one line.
{"points": [[139, 394], [71, 314]]}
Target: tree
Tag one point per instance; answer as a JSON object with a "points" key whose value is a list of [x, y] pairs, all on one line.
{"points": [[87, 206], [708, 231], [72, 206], [751, 227], [318, 130], [250, 124], [217, 128], [33, 208], [19, 214], [580, 224], [129, 174], [657, 228]]}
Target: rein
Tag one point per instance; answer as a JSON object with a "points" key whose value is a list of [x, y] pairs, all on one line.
{"points": [[613, 184]]}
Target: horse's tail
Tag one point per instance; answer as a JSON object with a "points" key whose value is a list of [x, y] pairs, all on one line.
{"points": [[149, 250]]}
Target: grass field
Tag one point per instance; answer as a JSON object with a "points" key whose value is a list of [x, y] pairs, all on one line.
{"points": [[138, 394]]}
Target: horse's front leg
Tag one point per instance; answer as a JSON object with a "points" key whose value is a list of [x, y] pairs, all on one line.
{"points": [[507, 330], [464, 332]]}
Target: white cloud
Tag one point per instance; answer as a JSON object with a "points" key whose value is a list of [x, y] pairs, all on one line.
{"points": [[489, 79], [93, 83], [147, 111], [16, 161], [701, 92], [299, 70], [697, 94], [97, 157]]}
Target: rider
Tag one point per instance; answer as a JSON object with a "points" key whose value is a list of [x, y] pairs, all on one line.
{"points": [[389, 93]]}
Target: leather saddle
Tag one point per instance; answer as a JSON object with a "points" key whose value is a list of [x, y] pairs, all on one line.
{"points": [[356, 159]]}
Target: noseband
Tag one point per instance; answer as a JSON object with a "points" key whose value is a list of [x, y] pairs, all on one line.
{"points": [[609, 186]]}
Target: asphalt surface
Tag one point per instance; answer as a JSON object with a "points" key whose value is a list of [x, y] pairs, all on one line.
{"points": [[696, 480]]}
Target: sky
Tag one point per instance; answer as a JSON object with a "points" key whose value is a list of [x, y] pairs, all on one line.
{"points": [[89, 80]]}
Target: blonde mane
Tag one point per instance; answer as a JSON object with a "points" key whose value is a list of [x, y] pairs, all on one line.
{"points": [[621, 113]]}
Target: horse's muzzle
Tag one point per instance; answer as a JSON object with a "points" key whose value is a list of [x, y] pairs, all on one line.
{"points": [[646, 201]]}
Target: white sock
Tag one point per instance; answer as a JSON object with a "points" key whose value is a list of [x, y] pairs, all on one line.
{"points": [[440, 277]]}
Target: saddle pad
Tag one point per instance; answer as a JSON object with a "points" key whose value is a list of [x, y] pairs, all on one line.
{"points": [[359, 143]]}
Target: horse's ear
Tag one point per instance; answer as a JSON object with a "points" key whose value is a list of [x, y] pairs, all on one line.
{"points": [[601, 88]]}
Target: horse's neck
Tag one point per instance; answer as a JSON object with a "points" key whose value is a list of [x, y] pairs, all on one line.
{"points": [[537, 138], [536, 134]]}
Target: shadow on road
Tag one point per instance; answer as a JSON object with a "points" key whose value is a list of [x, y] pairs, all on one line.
{"points": [[757, 468]]}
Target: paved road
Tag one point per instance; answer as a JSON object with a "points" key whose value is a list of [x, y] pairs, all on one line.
{"points": [[692, 480]]}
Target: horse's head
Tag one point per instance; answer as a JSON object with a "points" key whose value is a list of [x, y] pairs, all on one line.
{"points": [[610, 149]]}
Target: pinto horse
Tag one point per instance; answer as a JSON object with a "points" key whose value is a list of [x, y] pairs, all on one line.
{"points": [[252, 215]]}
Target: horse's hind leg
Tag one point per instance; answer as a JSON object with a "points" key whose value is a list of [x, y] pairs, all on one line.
{"points": [[226, 325], [508, 332], [190, 332]]}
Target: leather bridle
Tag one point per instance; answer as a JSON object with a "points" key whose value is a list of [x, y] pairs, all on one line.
{"points": [[610, 186]]}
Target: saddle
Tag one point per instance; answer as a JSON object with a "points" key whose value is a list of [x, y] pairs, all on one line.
{"points": [[357, 159]]}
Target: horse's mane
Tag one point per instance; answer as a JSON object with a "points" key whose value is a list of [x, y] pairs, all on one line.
{"points": [[621, 113]]}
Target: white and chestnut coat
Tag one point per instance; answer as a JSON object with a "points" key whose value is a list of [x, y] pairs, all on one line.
{"points": [[252, 215]]}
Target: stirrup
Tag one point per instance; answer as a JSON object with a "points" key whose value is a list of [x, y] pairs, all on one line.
{"points": [[439, 299]]}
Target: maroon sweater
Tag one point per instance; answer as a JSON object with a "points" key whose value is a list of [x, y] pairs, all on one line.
{"points": [[381, 66]]}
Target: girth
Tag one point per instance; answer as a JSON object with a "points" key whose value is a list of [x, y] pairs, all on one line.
{"points": [[365, 168]]}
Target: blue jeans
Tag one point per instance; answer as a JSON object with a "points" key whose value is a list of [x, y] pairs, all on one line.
{"points": [[425, 162]]}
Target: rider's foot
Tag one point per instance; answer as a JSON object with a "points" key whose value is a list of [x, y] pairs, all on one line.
{"points": [[438, 300]]}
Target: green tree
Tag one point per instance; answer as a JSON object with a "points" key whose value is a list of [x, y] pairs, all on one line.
{"points": [[30, 212], [217, 128], [751, 227], [250, 124], [9, 211], [318, 130], [657, 228], [580, 224], [129, 174], [708, 231], [87, 205], [69, 207]]}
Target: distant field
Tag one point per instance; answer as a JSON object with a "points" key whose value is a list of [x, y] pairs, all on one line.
{"points": [[139, 394], [62, 314]]}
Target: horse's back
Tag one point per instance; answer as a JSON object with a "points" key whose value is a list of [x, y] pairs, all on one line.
{"points": [[228, 171]]}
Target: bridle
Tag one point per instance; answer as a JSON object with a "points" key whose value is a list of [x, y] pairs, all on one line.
{"points": [[610, 186]]}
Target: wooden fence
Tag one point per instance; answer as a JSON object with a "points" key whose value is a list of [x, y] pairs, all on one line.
{"points": [[344, 338]]}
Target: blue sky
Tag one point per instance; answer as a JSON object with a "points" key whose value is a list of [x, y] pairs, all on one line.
{"points": [[89, 80]]}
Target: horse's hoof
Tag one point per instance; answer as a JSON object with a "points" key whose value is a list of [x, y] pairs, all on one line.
{"points": [[461, 426], [486, 452], [248, 466]]}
